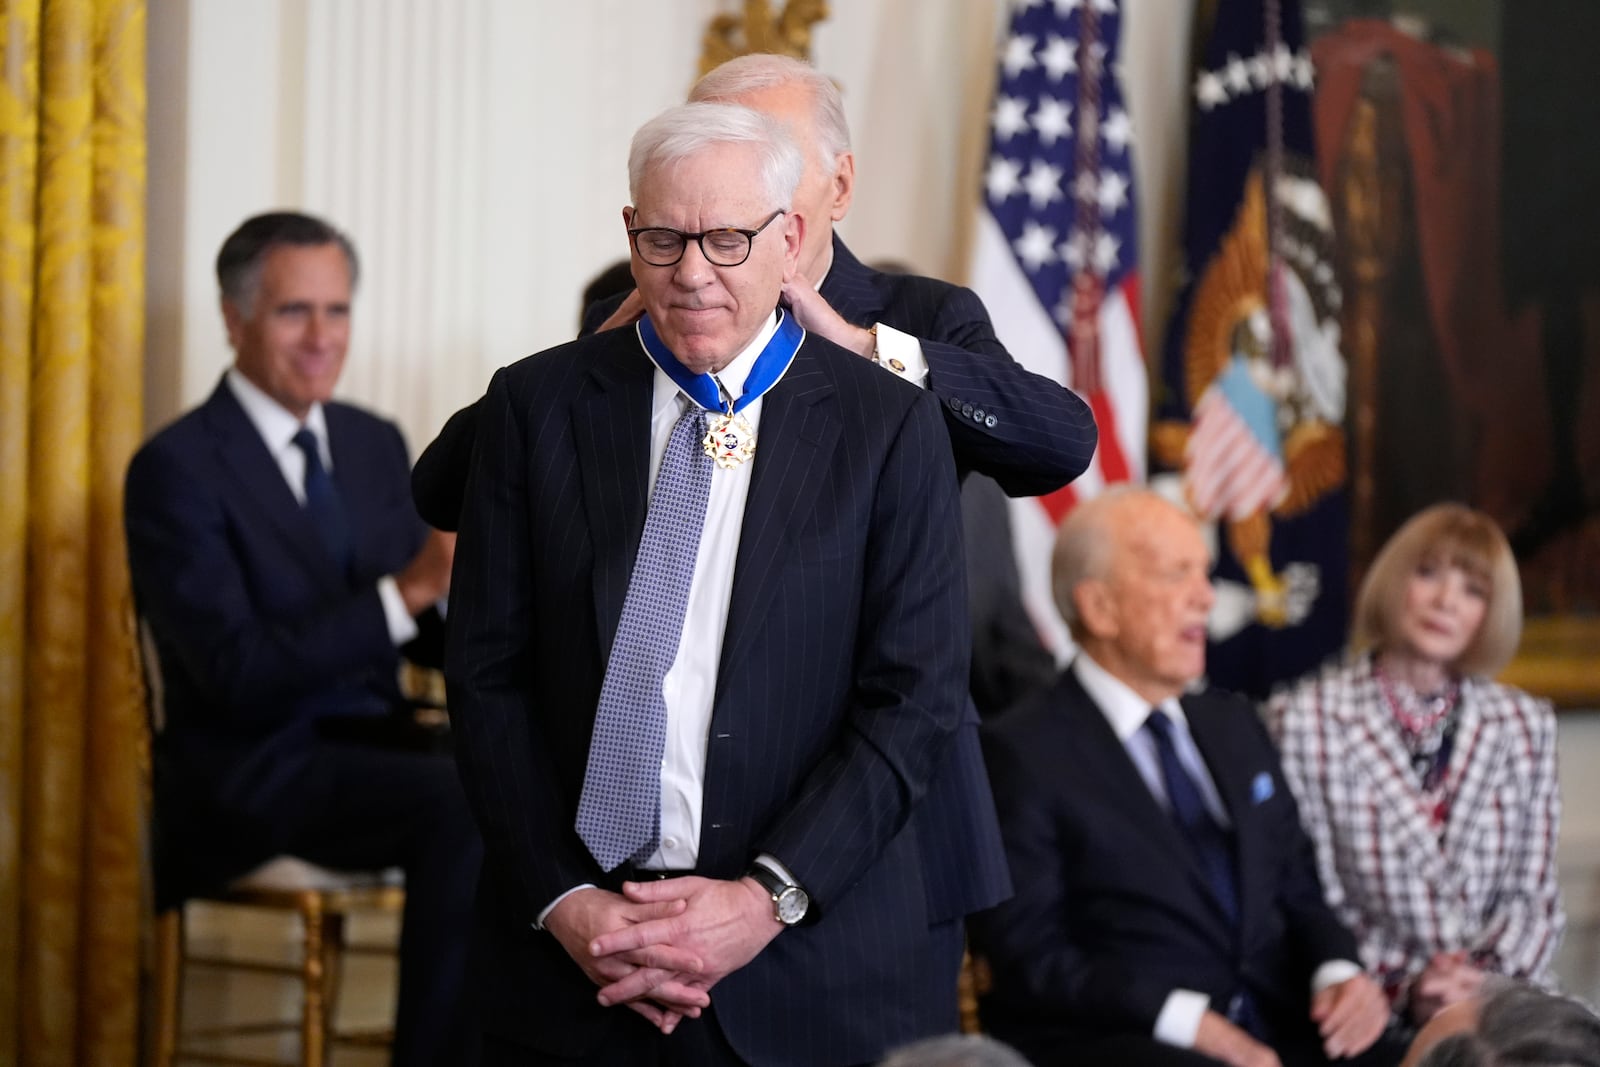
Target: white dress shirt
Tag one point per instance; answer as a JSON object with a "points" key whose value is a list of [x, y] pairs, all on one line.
{"points": [[277, 427], [1126, 711]]}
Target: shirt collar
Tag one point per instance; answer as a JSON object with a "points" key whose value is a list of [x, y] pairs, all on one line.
{"points": [[732, 376], [271, 419], [1124, 709], [827, 265]]}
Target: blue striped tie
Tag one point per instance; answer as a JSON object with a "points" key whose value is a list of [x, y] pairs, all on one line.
{"points": [[619, 811]]}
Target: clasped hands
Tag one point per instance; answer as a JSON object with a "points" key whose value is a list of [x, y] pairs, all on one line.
{"points": [[659, 947]]}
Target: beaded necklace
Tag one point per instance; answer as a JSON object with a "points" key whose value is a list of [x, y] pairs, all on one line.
{"points": [[1428, 727]]}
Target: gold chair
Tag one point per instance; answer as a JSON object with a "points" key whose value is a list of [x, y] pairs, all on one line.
{"points": [[973, 983], [321, 899]]}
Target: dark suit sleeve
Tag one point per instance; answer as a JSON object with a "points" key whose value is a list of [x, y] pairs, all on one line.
{"points": [[182, 551], [439, 480], [909, 689], [599, 312], [1032, 937], [509, 775], [1044, 434]]}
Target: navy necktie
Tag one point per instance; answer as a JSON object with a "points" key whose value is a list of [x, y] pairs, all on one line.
{"points": [[619, 810], [323, 503], [1212, 844]]}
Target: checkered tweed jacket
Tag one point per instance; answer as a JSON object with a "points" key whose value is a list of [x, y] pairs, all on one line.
{"points": [[1487, 884]]}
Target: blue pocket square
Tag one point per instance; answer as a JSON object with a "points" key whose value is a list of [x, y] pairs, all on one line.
{"points": [[1261, 788]]}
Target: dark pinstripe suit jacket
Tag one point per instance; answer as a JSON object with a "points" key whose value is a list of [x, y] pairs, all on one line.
{"points": [[1043, 436], [842, 680]]}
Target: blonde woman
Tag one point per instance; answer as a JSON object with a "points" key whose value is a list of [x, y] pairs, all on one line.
{"points": [[1428, 789]]}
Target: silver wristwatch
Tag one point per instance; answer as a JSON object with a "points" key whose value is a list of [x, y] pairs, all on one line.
{"points": [[789, 901]]}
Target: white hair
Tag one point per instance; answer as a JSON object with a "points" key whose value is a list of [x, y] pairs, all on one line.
{"points": [[685, 130], [744, 75]]}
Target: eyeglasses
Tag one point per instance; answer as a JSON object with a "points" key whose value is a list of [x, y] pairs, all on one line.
{"points": [[662, 246]]}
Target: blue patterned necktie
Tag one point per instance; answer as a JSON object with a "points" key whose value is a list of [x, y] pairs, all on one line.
{"points": [[619, 812], [322, 501], [1212, 844]]}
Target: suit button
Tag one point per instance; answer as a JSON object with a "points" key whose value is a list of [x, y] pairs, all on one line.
{"points": [[966, 409], [955, 403], [990, 421], [978, 414]]}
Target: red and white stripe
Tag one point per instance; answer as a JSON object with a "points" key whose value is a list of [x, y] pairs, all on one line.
{"points": [[1120, 405]]}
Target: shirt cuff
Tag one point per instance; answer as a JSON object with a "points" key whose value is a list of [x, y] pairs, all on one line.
{"points": [[1179, 1021], [771, 863], [1332, 973], [402, 627], [538, 924], [901, 355]]}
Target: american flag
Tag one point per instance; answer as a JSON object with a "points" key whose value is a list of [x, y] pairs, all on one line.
{"points": [[1233, 462], [1056, 260]]}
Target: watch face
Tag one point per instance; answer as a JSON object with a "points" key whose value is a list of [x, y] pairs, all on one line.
{"points": [[792, 904]]}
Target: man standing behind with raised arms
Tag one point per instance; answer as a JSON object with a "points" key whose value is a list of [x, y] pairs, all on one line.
{"points": [[1025, 431], [707, 648]]}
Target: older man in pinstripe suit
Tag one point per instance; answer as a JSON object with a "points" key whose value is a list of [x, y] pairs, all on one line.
{"points": [[776, 911]]}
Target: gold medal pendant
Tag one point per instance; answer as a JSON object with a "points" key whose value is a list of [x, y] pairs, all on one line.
{"points": [[730, 440]]}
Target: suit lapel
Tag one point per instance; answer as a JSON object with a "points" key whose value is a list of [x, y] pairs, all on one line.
{"points": [[1234, 775], [849, 288], [244, 455], [611, 433], [1483, 744], [799, 429]]}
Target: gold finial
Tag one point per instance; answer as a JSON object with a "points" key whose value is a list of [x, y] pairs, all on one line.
{"points": [[789, 34]]}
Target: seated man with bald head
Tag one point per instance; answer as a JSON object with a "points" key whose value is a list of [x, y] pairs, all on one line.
{"points": [[1167, 908]]}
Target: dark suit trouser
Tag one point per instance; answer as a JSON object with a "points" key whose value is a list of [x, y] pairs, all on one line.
{"points": [[389, 808], [633, 1042]]}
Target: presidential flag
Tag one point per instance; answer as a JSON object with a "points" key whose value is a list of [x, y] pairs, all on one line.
{"points": [[1250, 410], [1056, 252]]}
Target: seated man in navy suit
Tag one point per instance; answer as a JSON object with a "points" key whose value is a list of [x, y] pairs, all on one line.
{"points": [[278, 563], [1167, 909]]}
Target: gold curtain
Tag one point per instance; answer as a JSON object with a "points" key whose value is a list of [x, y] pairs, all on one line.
{"points": [[72, 173]]}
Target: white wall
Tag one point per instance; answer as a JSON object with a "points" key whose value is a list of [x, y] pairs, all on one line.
{"points": [[475, 150]]}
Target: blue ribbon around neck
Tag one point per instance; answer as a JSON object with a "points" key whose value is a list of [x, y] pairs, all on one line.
{"points": [[703, 389]]}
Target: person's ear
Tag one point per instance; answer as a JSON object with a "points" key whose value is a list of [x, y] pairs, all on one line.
{"points": [[794, 233], [1097, 608], [844, 185]]}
